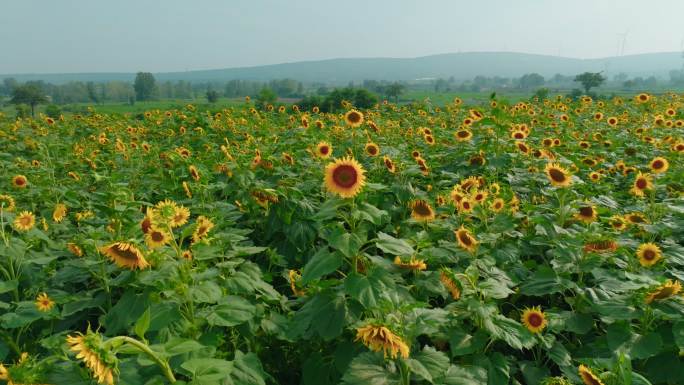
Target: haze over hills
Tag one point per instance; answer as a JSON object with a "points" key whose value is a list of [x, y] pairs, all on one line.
{"points": [[461, 66]]}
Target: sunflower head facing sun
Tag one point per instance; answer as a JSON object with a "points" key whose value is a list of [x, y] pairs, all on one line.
{"points": [[649, 254], [534, 319], [353, 118], [557, 175], [345, 177], [323, 150]]}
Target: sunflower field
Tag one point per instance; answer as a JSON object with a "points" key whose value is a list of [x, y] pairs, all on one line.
{"points": [[538, 242]]}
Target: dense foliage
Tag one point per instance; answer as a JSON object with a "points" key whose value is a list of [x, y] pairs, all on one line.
{"points": [[534, 243]]}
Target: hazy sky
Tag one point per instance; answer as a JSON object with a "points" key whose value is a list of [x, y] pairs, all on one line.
{"points": [[176, 35]]}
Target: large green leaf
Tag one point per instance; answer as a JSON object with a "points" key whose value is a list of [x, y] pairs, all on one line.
{"points": [[394, 246], [320, 264], [231, 311], [370, 369]]}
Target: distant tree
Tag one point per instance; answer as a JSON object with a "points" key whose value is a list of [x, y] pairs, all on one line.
{"points": [[542, 93], [92, 92], [28, 94], [144, 85], [441, 85], [395, 89], [589, 80], [532, 80], [364, 98], [265, 97], [8, 85], [212, 96], [53, 111]]}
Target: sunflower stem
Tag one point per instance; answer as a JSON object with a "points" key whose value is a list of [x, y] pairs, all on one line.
{"points": [[163, 364]]}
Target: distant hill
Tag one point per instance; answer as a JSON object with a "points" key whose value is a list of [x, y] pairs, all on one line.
{"points": [[461, 66]]}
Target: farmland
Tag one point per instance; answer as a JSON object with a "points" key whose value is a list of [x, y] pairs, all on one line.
{"points": [[505, 241]]}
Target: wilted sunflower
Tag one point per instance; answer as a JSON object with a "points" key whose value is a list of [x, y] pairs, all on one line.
{"points": [[588, 377], [353, 118], [380, 338], [649, 254], [89, 348], [586, 214], [323, 150], [659, 165], [125, 255], [156, 237], [557, 175], [24, 221], [465, 239], [666, 290], [44, 303], [202, 228], [345, 177], [75, 249], [412, 264], [19, 181], [7, 203], [59, 213], [372, 149], [534, 319], [421, 210]]}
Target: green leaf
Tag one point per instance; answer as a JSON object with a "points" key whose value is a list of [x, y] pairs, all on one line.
{"points": [[322, 263], [429, 364], [678, 333], [462, 343], [7, 286], [142, 324], [347, 243], [206, 292], [232, 311], [394, 246], [370, 289], [465, 375], [511, 331], [324, 314], [498, 370], [247, 370], [207, 370], [24, 314], [646, 346], [369, 369]]}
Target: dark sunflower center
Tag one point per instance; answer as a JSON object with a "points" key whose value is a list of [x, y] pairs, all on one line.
{"points": [[462, 134], [20, 181], [589, 379], [557, 175], [641, 183], [124, 254], [372, 150], [324, 150], [345, 176], [354, 117], [649, 254], [586, 211], [25, 220], [388, 164], [157, 236], [422, 209], [535, 320], [658, 164], [465, 238]]}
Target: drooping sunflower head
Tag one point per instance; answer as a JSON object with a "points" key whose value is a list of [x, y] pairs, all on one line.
{"points": [[465, 239], [372, 149], [75, 249], [557, 175], [101, 361], [534, 319], [323, 150], [19, 181], [588, 377], [345, 177], [412, 264], [380, 338], [24, 221], [353, 118], [649, 254], [666, 290], [125, 255], [421, 210], [659, 165], [451, 282], [194, 173]]}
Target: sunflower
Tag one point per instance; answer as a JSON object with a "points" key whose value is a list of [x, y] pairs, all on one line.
{"points": [[465, 239], [98, 359], [156, 237], [642, 183], [642, 98], [181, 214], [659, 165], [372, 149], [463, 135], [451, 283], [59, 213], [19, 181], [7, 203], [379, 338], [588, 377], [604, 246], [636, 218], [44, 303], [294, 277], [612, 121], [353, 118], [465, 205], [75, 249], [557, 175], [24, 221], [586, 214], [666, 290], [534, 319], [194, 173], [389, 164], [594, 176], [125, 255], [344, 177], [421, 210], [287, 158], [203, 226], [522, 147], [649, 254], [497, 205], [323, 150], [412, 264]]}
